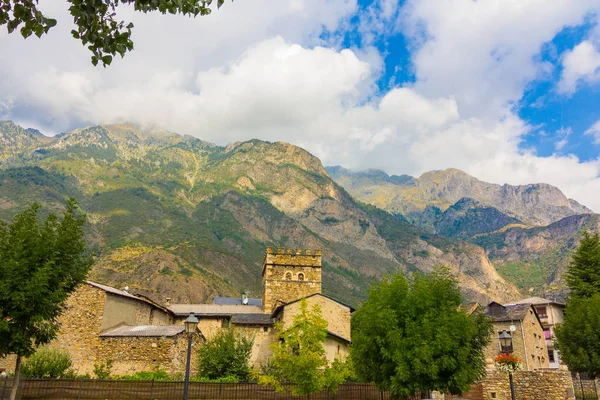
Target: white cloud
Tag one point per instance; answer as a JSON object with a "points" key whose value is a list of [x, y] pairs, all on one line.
{"points": [[258, 69], [594, 131], [484, 52], [582, 64]]}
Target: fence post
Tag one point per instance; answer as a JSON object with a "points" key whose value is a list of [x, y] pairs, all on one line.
{"points": [[4, 387], [581, 385], [220, 390]]}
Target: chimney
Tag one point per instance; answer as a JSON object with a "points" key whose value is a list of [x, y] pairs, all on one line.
{"points": [[168, 302], [244, 299]]}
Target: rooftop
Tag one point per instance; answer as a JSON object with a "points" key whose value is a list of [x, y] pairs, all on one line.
{"points": [[145, 331], [213, 310], [252, 319], [510, 312], [232, 301], [536, 301]]}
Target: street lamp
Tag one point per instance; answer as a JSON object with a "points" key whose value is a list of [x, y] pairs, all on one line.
{"points": [[506, 345], [191, 325]]}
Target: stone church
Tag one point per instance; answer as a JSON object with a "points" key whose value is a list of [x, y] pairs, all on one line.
{"points": [[102, 323]]}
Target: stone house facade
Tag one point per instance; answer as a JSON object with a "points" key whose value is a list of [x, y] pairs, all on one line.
{"points": [[522, 323], [103, 323], [551, 313]]}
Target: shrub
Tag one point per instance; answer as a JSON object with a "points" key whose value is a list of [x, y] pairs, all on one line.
{"points": [[103, 370], [156, 374], [47, 363], [226, 355]]}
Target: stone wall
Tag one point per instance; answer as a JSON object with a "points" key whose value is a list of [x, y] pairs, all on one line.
{"points": [[529, 344], [135, 354], [261, 350], [290, 274], [336, 314], [80, 328], [530, 385]]}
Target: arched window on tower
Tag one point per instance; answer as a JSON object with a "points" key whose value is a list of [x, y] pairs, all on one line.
{"points": [[300, 276], [288, 276]]}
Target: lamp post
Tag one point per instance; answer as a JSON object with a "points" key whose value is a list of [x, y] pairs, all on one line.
{"points": [[507, 347], [191, 324]]}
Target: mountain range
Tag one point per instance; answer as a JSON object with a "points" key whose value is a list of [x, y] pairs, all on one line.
{"points": [[173, 216]]}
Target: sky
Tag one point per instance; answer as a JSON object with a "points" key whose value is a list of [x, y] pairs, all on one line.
{"points": [[506, 90]]}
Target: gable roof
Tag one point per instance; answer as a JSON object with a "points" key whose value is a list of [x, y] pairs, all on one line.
{"points": [[512, 312], [538, 301], [336, 336], [279, 308], [231, 301], [123, 293], [252, 319], [213, 310], [145, 331]]}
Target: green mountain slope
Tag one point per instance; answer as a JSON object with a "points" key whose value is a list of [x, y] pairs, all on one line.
{"points": [[173, 216], [535, 259]]}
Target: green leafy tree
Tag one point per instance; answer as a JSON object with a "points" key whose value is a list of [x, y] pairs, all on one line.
{"points": [[227, 354], [413, 336], [97, 26], [583, 275], [578, 337], [47, 363], [40, 265], [299, 356]]}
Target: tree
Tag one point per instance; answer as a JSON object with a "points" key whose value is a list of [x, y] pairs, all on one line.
{"points": [[583, 275], [47, 363], [97, 26], [413, 336], [578, 337], [40, 265], [227, 354], [299, 356]]}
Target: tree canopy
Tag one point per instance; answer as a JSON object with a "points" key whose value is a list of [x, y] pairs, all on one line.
{"points": [[413, 336], [40, 265], [583, 275], [299, 356], [578, 337], [226, 355], [98, 27]]}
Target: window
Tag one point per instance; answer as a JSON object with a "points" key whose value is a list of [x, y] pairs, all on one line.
{"points": [[493, 395], [265, 329], [551, 356], [288, 276], [547, 334], [339, 348], [225, 323], [300, 276], [541, 310]]}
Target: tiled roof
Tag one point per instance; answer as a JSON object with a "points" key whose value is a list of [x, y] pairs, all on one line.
{"points": [[231, 301], [145, 331], [335, 335], [113, 290], [214, 310], [537, 301], [511, 312], [252, 319], [279, 308]]}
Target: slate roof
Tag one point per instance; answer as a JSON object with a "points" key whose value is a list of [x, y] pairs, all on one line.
{"points": [[279, 308], [511, 312], [113, 290], [213, 310], [232, 301], [252, 319], [145, 331], [338, 337], [538, 301]]}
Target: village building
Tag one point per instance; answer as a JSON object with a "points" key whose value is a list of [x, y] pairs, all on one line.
{"points": [[103, 323], [526, 331], [550, 313]]}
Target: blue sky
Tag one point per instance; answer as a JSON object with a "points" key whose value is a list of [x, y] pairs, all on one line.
{"points": [[506, 90]]}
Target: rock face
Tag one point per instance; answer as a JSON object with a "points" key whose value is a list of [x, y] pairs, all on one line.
{"points": [[528, 231], [535, 204], [535, 259], [173, 216]]}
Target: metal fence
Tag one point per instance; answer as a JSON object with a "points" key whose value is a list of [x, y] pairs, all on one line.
{"points": [[585, 387], [94, 389]]}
